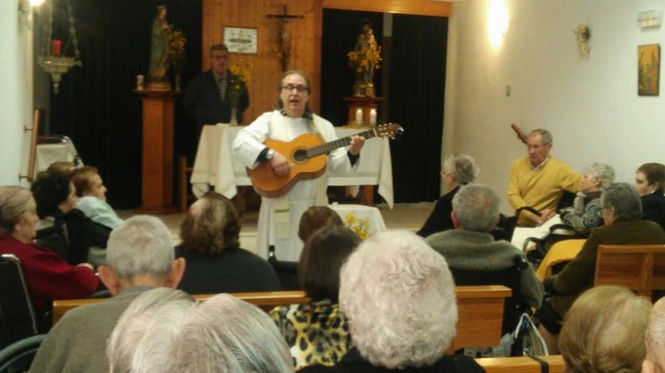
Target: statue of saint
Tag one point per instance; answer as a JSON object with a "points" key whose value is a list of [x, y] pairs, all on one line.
{"points": [[159, 50], [366, 46]]}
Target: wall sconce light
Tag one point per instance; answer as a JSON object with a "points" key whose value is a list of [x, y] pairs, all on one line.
{"points": [[52, 58], [583, 35]]}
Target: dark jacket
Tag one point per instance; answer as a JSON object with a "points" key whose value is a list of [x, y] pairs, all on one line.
{"points": [[578, 275], [653, 208], [440, 220], [231, 271], [203, 103], [353, 362]]}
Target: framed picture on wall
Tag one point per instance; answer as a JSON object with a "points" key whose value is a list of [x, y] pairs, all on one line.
{"points": [[648, 69], [241, 40]]}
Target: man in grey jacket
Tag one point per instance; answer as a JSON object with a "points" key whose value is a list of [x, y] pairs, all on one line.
{"points": [[470, 246]]}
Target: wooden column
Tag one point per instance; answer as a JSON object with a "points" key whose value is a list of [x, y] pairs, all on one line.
{"points": [[157, 170]]}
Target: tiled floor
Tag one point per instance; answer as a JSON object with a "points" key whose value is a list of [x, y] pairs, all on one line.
{"points": [[409, 216]]}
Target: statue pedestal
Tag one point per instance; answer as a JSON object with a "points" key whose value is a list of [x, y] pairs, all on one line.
{"points": [[157, 170], [365, 104]]}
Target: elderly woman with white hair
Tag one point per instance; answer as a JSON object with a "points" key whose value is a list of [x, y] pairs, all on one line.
{"points": [[585, 213], [399, 296], [225, 334], [458, 170]]}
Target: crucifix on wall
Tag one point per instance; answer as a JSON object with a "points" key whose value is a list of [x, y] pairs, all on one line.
{"points": [[283, 37]]}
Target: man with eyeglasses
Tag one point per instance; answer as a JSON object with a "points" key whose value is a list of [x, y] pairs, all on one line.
{"points": [[207, 98], [539, 180], [279, 217]]}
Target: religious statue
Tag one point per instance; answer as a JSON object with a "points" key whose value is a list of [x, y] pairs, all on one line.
{"points": [[159, 52], [364, 59]]}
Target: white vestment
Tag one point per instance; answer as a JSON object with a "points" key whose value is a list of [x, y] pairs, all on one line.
{"points": [[247, 146]]}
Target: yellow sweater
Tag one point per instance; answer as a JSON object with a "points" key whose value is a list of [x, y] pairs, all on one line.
{"points": [[540, 188]]}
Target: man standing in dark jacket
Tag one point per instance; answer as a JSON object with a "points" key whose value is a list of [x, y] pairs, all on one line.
{"points": [[208, 96]]}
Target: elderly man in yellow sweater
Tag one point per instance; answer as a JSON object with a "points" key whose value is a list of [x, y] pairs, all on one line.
{"points": [[539, 180]]}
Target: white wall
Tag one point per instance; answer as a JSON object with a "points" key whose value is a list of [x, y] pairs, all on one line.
{"points": [[590, 105], [15, 91]]}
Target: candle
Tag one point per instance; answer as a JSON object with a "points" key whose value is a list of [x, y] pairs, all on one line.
{"points": [[372, 117], [359, 116], [139, 82], [56, 46]]}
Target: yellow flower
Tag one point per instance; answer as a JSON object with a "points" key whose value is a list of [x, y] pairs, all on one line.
{"points": [[177, 42], [364, 59], [360, 227], [240, 76]]}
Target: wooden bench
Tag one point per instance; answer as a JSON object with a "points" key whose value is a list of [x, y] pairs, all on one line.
{"points": [[264, 300], [640, 268], [520, 364], [480, 315], [480, 310]]}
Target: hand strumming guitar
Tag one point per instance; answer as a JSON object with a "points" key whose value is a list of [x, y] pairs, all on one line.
{"points": [[280, 164]]}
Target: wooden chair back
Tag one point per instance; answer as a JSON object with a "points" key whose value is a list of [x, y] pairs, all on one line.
{"points": [[640, 268]]}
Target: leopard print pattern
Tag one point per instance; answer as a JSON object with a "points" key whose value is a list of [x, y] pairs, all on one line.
{"points": [[317, 333]]}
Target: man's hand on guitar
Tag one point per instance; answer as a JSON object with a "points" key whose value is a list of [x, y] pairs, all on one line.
{"points": [[280, 164], [357, 143]]}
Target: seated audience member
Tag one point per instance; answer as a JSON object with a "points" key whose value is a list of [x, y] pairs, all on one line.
{"points": [[140, 257], [56, 197], [215, 261], [458, 170], [316, 218], [655, 340], [47, 276], [470, 246], [585, 213], [142, 339], [399, 298], [539, 181], [91, 193], [317, 332], [603, 330], [650, 184], [62, 167], [622, 214], [225, 334]]}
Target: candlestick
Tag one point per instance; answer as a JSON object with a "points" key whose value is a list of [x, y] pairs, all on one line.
{"points": [[359, 116], [372, 117]]}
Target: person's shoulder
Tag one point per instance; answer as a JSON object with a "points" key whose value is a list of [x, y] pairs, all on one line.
{"points": [[457, 363]]}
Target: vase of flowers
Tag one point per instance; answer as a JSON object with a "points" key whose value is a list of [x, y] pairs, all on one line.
{"points": [[177, 43], [239, 77]]}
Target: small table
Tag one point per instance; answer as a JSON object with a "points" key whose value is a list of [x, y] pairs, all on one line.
{"points": [[356, 215], [49, 153]]}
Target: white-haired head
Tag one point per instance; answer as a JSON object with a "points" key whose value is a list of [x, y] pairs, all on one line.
{"points": [[225, 334], [400, 298]]}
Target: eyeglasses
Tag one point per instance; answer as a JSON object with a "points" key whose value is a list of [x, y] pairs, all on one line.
{"points": [[290, 87]]}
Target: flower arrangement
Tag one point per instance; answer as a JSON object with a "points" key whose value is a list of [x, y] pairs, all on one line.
{"points": [[177, 42], [365, 60], [240, 76], [358, 225]]}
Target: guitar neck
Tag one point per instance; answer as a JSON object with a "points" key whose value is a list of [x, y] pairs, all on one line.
{"points": [[339, 143]]}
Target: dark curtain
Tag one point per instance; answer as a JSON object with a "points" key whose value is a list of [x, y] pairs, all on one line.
{"points": [[96, 107], [340, 32], [417, 81]]}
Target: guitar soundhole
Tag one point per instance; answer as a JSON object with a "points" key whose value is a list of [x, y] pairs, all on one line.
{"points": [[300, 155]]}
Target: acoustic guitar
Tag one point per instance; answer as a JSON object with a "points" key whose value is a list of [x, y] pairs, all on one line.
{"points": [[307, 156]]}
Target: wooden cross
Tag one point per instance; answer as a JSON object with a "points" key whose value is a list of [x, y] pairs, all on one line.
{"points": [[283, 37]]}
